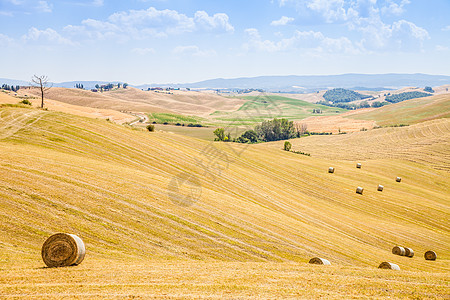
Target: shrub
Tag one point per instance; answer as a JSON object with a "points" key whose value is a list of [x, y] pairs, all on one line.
{"points": [[287, 146], [302, 153], [25, 101], [151, 128], [428, 89]]}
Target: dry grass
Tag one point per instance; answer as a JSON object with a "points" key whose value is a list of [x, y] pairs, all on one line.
{"points": [[131, 99], [336, 124], [407, 112], [262, 214], [426, 143], [76, 109], [219, 280]]}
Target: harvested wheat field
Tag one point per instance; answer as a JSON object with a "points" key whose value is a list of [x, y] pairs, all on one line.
{"points": [[336, 124], [77, 108], [407, 112], [168, 216], [132, 99], [426, 143]]}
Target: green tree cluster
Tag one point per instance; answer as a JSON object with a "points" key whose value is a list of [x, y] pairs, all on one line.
{"points": [[10, 87], [428, 89], [342, 95], [267, 131], [405, 96], [275, 130]]}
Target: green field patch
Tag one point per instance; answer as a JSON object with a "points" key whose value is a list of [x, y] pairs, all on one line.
{"points": [[259, 108], [168, 118]]}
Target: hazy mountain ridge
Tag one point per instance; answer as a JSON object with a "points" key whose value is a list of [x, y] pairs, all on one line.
{"points": [[319, 82], [290, 83]]}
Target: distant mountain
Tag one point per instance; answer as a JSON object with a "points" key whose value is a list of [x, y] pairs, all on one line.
{"points": [[296, 84], [13, 82], [86, 84], [317, 82], [67, 84]]}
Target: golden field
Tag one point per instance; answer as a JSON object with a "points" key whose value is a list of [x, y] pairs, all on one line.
{"points": [[258, 213]]}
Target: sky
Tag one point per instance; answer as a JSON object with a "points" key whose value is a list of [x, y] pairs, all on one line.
{"points": [[175, 41]]}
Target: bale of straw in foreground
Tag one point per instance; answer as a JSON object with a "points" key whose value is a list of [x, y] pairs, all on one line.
{"points": [[430, 255], [397, 250], [319, 261], [358, 165], [62, 250], [398, 179], [388, 265], [359, 190], [380, 188], [330, 170], [409, 252]]}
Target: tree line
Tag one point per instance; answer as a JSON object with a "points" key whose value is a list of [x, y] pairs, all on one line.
{"points": [[10, 87], [395, 98], [267, 131]]}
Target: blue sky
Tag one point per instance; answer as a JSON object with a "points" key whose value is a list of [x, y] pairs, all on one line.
{"points": [[163, 41]]}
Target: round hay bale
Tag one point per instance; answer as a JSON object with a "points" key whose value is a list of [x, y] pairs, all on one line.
{"points": [[63, 250], [358, 165], [330, 170], [388, 265], [319, 261], [397, 250], [398, 179], [359, 190], [430, 255], [380, 188], [409, 252]]}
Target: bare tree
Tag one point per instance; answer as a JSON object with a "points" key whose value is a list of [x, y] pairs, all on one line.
{"points": [[41, 82], [301, 128]]}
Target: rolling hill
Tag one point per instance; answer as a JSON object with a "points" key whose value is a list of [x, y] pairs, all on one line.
{"points": [[109, 184], [135, 100], [167, 213], [408, 112]]}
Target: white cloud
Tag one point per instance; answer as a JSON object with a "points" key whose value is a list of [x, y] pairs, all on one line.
{"points": [[401, 35], [331, 10], [446, 28], [442, 48], [394, 8], [151, 22], [311, 41], [143, 51], [193, 51], [97, 3], [218, 22], [6, 13], [44, 6], [47, 36], [366, 17], [16, 2], [283, 21], [6, 41]]}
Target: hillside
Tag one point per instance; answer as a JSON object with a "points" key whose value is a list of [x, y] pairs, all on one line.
{"points": [[258, 213], [86, 98], [182, 102], [131, 99], [109, 184], [408, 112], [7, 97]]}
